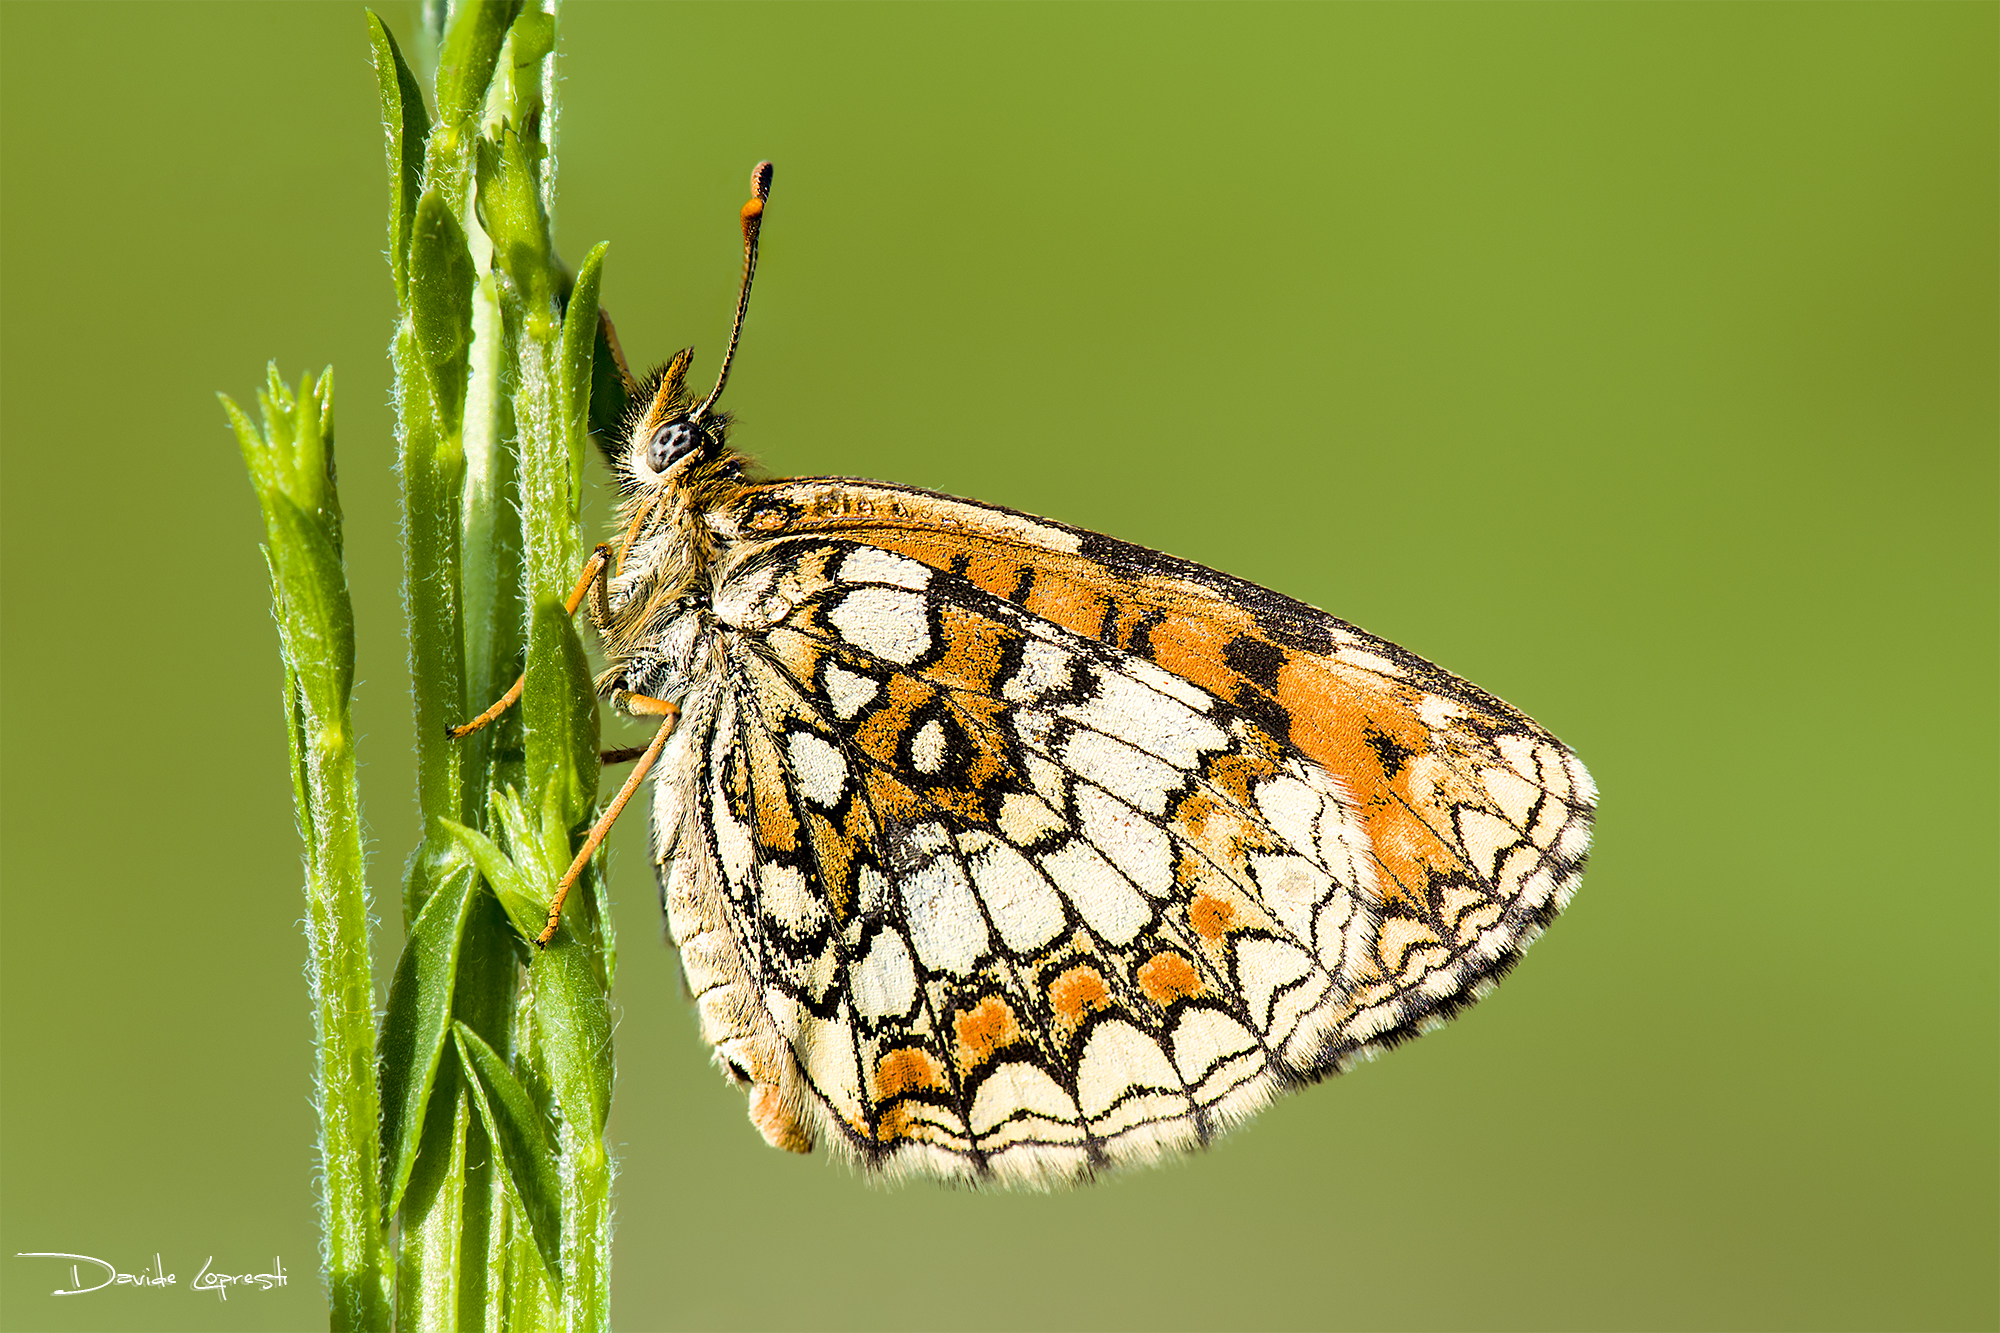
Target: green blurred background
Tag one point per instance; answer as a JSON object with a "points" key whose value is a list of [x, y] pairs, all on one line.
{"points": [[1637, 362]]}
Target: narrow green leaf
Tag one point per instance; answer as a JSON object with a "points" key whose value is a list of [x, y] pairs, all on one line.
{"points": [[321, 393], [432, 471], [319, 618], [526, 1146], [259, 458], [510, 209], [465, 58], [581, 330], [415, 1026], [559, 710], [515, 890], [312, 458], [441, 283], [406, 125], [573, 1014], [530, 854]]}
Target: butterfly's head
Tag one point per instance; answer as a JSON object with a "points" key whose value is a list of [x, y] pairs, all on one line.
{"points": [[668, 441]]}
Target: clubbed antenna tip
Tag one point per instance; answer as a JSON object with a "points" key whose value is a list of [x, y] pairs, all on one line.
{"points": [[753, 222]]}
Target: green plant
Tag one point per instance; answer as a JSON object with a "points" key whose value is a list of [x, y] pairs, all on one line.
{"points": [[482, 1197]]}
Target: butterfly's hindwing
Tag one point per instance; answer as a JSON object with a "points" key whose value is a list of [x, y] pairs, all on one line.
{"points": [[1004, 851]]}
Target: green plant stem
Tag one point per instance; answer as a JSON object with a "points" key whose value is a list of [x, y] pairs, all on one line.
{"points": [[505, 1221], [291, 468], [337, 924]]}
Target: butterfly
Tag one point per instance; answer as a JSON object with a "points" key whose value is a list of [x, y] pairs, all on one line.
{"points": [[1006, 852]]}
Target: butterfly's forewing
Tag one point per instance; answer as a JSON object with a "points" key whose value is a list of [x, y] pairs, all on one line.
{"points": [[1008, 851]]}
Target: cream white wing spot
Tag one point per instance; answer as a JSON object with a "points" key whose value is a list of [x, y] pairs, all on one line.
{"points": [[1346, 932], [1107, 903], [946, 925], [1015, 1088], [874, 891], [1263, 968], [830, 1064], [1035, 728], [788, 900], [927, 747], [1292, 808], [1477, 920], [1549, 824], [887, 622], [1514, 794], [1130, 774], [872, 564], [884, 979], [1439, 713], [818, 767], [1204, 1038], [1025, 907], [1135, 845], [1297, 1022], [1555, 773], [1367, 661], [1025, 820], [1050, 782], [1344, 848], [824, 1048], [1514, 868], [733, 844], [1397, 938], [1045, 669], [1484, 837], [1456, 900], [1117, 1060], [1291, 888], [1519, 752], [848, 691], [1123, 708]]}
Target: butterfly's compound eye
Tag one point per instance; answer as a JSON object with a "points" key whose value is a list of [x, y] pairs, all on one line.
{"points": [[671, 443]]}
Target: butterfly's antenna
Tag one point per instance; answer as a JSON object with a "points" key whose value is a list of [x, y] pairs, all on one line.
{"points": [[753, 220]]}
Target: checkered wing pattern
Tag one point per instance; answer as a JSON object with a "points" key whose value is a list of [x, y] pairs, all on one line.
{"points": [[1006, 852]]}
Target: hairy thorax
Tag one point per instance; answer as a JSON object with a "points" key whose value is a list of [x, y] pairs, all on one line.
{"points": [[656, 624]]}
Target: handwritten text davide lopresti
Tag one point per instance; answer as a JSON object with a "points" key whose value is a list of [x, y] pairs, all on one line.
{"points": [[88, 1274]]}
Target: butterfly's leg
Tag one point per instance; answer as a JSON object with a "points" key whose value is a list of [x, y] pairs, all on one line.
{"points": [[597, 570], [623, 755], [643, 706]]}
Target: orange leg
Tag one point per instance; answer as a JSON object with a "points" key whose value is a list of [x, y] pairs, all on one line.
{"points": [[643, 706], [595, 570]]}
